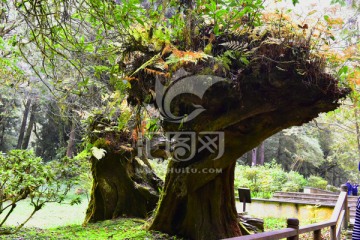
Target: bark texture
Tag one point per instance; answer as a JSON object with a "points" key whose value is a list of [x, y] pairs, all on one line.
{"points": [[123, 186]]}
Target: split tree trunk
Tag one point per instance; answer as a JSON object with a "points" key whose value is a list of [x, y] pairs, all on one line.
{"points": [[123, 186]]}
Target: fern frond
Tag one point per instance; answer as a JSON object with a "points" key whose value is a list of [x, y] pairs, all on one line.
{"points": [[153, 60], [127, 78], [235, 45], [155, 72], [240, 32], [161, 64], [181, 57]]}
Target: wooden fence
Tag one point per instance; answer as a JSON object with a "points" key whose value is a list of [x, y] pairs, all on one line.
{"points": [[338, 221]]}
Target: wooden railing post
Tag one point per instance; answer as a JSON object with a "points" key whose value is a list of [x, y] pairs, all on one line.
{"points": [[333, 232], [346, 208], [317, 234], [293, 223]]}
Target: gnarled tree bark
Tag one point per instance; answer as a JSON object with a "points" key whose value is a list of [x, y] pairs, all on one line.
{"points": [[124, 185]]}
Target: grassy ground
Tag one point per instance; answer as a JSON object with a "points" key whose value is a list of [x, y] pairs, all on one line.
{"points": [[52, 215], [111, 229], [63, 221], [125, 228]]}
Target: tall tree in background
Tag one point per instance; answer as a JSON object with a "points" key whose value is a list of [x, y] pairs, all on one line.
{"points": [[9, 119], [258, 155], [22, 130], [29, 129]]}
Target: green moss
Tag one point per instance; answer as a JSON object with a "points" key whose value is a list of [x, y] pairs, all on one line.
{"points": [[100, 143], [105, 185], [207, 71]]}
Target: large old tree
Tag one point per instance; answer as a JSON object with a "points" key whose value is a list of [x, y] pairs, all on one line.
{"points": [[280, 85], [261, 101], [266, 78]]}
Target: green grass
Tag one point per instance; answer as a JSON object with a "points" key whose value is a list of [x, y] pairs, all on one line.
{"points": [[271, 223], [63, 221], [125, 228], [51, 215]]}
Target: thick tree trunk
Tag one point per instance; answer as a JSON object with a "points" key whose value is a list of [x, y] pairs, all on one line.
{"points": [[23, 123], [202, 206], [207, 212], [123, 186], [29, 129]]}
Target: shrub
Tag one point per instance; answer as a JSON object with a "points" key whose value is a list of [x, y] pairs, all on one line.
{"points": [[265, 180], [317, 182], [295, 182], [240, 179], [332, 188], [23, 175]]}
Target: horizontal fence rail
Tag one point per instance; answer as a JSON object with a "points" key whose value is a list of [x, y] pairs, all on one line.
{"points": [[277, 234], [339, 219]]}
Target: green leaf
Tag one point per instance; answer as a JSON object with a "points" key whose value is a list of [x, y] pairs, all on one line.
{"points": [[343, 70], [98, 153], [295, 2], [244, 60]]}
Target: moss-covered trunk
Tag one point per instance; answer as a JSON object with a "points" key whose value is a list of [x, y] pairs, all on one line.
{"points": [[123, 185]]}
